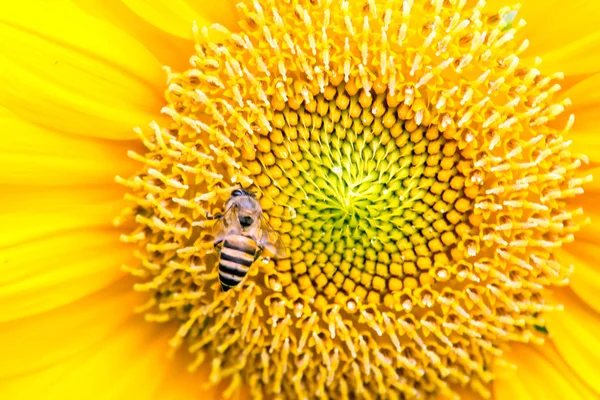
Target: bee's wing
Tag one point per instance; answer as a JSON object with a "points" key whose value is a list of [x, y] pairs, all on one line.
{"points": [[271, 241], [224, 225]]}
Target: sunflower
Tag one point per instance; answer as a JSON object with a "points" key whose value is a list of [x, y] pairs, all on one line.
{"points": [[428, 164]]}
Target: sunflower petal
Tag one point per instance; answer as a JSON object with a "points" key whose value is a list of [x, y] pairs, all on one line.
{"points": [[559, 38], [32, 155], [583, 252], [549, 352], [589, 202], [592, 189], [31, 213], [537, 377], [586, 142], [54, 270], [129, 364], [585, 94], [582, 56], [68, 71], [168, 49], [179, 384], [177, 16], [39, 341], [575, 334], [585, 280], [584, 134], [585, 97], [95, 348], [508, 386], [548, 29]]}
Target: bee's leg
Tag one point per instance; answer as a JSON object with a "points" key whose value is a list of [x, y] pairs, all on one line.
{"points": [[216, 216], [258, 254]]}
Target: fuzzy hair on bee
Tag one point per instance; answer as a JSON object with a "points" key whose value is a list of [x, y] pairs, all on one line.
{"points": [[240, 234]]}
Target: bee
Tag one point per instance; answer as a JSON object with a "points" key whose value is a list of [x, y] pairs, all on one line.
{"points": [[241, 233]]}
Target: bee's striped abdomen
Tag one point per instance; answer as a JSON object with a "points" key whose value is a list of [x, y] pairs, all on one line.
{"points": [[237, 255]]}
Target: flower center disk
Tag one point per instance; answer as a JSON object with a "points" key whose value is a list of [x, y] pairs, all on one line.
{"points": [[409, 163], [376, 201]]}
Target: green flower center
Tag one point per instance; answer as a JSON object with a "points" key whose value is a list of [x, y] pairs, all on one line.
{"points": [[374, 200]]}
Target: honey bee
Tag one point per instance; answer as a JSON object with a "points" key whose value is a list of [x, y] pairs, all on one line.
{"points": [[240, 236]]}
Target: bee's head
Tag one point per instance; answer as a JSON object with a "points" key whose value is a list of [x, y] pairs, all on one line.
{"points": [[242, 192], [247, 205], [245, 220]]}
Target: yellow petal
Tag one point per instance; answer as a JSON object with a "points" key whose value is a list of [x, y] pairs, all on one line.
{"points": [[32, 155], [585, 132], [553, 24], [585, 94], [585, 280], [586, 142], [95, 349], [29, 386], [551, 354], [583, 252], [31, 213], [181, 385], [508, 386], [592, 189], [168, 49], [575, 334], [41, 340], [581, 56], [53, 270], [129, 364], [589, 202], [177, 16], [537, 377], [563, 34], [68, 71], [585, 98]]}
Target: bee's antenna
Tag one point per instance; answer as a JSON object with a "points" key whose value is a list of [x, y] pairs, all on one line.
{"points": [[216, 216]]}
